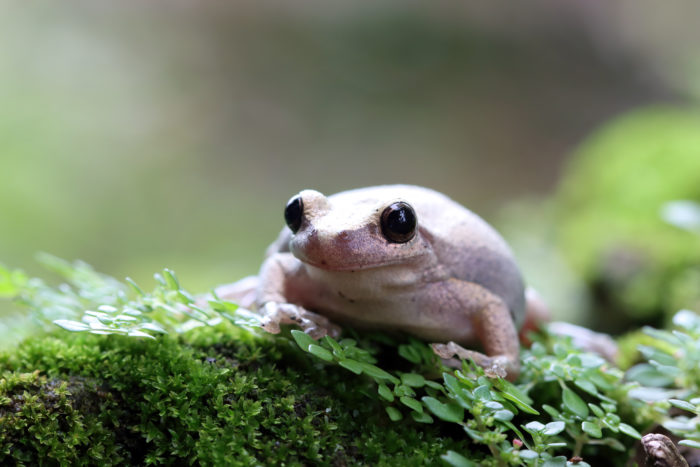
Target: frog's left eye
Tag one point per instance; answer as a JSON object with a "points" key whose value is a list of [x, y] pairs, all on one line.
{"points": [[399, 222], [294, 213]]}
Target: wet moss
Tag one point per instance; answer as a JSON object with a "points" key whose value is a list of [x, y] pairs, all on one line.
{"points": [[214, 396]]}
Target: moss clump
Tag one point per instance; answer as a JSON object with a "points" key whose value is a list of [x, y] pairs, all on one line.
{"points": [[214, 396], [609, 214]]}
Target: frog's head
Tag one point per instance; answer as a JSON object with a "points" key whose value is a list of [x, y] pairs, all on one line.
{"points": [[355, 230]]}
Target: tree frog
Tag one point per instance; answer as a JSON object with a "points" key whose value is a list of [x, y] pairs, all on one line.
{"points": [[393, 257]]}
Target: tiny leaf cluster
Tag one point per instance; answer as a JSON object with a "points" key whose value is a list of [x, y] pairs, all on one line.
{"points": [[670, 374]]}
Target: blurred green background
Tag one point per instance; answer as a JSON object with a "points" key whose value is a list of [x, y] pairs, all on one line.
{"points": [[138, 135]]}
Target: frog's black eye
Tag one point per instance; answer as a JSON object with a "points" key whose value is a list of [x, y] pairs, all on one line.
{"points": [[293, 213], [399, 223]]}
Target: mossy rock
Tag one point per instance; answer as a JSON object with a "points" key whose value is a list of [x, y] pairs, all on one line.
{"points": [[639, 267], [214, 397]]}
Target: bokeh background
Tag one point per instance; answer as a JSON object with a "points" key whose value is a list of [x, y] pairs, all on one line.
{"points": [[139, 135]]}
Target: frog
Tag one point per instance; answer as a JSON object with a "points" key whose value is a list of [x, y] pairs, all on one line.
{"points": [[399, 258]]}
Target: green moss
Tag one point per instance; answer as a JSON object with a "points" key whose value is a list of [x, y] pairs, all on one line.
{"points": [[213, 397], [609, 215]]}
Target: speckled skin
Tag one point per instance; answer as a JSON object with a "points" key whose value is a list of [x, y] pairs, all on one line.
{"points": [[455, 280]]}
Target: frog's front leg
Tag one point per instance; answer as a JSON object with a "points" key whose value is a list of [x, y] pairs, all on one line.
{"points": [[495, 329], [284, 287]]}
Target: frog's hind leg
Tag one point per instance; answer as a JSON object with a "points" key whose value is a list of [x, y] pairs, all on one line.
{"points": [[495, 329], [537, 315]]}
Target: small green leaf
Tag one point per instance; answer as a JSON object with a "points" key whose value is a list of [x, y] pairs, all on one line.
{"points": [[413, 379], [515, 395], [647, 375], [449, 412], [320, 352], [629, 431], [454, 386], [681, 404], [422, 417], [134, 286], [690, 443], [434, 385], [553, 428], [334, 345], [385, 392], [377, 373], [574, 403], [155, 327], [534, 426], [302, 339], [410, 353], [185, 296], [482, 393], [591, 429], [171, 279], [528, 455], [159, 278], [597, 411], [137, 333], [503, 415], [493, 405], [587, 386], [351, 365], [554, 413], [457, 460], [559, 461], [70, 325], [403, 390], [661, 335], [411, 403], [394, 414]]}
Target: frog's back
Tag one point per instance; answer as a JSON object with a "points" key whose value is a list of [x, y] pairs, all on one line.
{"points": [[465, 244]]}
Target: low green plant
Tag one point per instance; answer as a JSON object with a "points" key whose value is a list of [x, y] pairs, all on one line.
{"points": [[670, 374], [567, 403]]}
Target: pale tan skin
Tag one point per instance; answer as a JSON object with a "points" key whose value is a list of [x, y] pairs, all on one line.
{"points": [[455, 281]]}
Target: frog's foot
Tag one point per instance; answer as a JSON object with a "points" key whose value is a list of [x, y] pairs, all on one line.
{"points": [[313, 324], [587, 340], [496, 366]]}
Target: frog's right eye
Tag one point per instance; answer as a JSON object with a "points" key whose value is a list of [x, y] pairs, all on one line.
{"points": [[399, 222], [294, 213]]}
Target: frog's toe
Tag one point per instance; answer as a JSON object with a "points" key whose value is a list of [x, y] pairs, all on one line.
{"points": [[270, 326], [275, 314], [494, 366], [315, 325]]}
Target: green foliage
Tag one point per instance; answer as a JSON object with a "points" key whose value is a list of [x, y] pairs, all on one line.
{"points": [[225, 392], [671, 372], [610, 228], [583, 404], [103, 306]]}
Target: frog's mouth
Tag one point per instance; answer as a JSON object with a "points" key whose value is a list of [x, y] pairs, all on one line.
{"points": [[326, 266], [353, 252]]}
